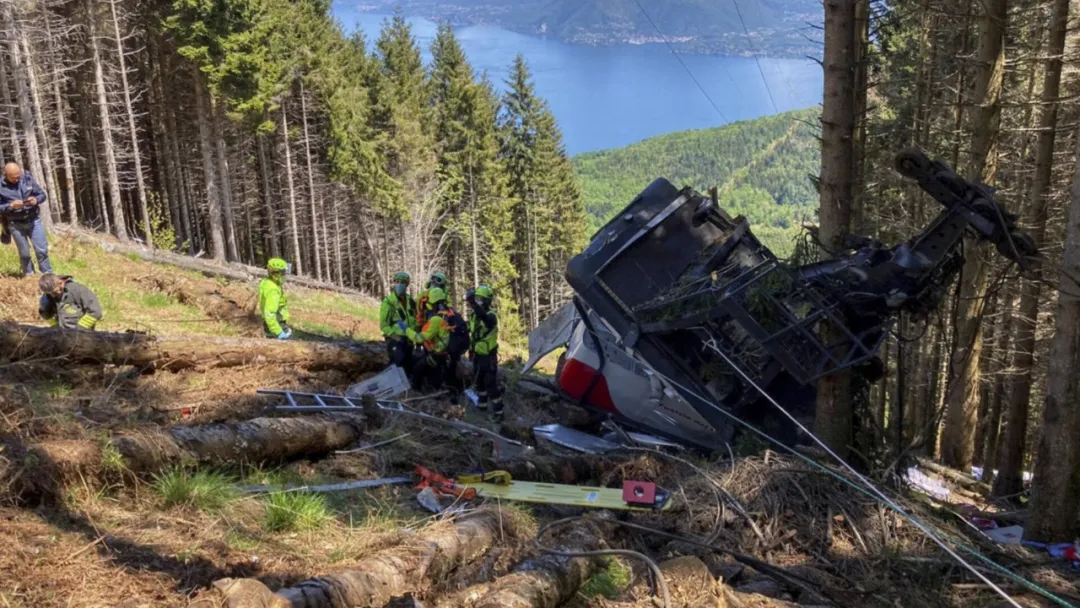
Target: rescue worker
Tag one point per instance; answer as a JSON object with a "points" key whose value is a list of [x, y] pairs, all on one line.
{"points": [[397, 317], [439, 364], [67, 304], [484, 349], [20, 205], [272, 301], [437, 279]]}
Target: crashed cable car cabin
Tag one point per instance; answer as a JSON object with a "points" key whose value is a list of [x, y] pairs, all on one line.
{"points": [[680, 314]]}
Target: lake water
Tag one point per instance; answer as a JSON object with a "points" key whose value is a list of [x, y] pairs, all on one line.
{"points": [[608, 97]]}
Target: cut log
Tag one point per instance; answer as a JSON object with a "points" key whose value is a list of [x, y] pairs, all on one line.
{"points": [[543, 582], [425, 559], [957, 477], [691, 582], [259, 440], [28, 343]]}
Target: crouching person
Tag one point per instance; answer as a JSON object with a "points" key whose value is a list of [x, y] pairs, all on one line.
{"points": [[484, 350], [440, 337], [273, 304], [67, 304]]}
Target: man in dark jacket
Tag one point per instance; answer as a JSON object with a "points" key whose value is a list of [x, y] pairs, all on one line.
{"points": [[20, 204], [67, 304]]}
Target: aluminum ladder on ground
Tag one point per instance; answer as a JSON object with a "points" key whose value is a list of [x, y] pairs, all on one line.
{"points": [[314, 402]]}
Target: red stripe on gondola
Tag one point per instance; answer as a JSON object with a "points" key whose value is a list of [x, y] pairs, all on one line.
{"points": [[575, 380]]}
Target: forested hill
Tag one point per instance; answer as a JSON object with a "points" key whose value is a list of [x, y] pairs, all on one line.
{"points": [[762, 168], [777, 27]]}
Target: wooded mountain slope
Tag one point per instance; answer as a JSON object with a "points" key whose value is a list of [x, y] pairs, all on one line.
{"points": [[763, 168], [776, 26]]}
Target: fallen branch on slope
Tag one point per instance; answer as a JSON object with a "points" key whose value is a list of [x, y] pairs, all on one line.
{"points": [[255, 441], [425, 559], [29, 343]]}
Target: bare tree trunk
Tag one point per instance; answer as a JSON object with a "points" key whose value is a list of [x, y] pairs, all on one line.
{"points": [[315, 212], [993, 417], [112, 174], [958, 440], [213, 199], [65, 145], [22, 95], [133, 132], [176, 171], [93, 154], [1056, 485], [48, 178], [294, 225], [833, 420], [9, 110], [226, 184], [271, 216], [337, 237], [1011, 459], [248, 222]]}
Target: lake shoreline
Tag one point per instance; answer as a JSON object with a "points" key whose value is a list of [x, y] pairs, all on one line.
{"points": [[683, 45], [608, 97]]}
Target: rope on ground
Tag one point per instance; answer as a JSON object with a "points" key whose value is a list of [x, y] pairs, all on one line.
{"points": [[714, 484], [659, 576], [870, 490]]}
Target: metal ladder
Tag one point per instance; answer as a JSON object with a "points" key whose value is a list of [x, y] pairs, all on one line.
{"points": [[313, 402]]}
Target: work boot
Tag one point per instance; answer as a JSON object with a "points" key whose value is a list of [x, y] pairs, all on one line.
{"points": [[497, 412]]}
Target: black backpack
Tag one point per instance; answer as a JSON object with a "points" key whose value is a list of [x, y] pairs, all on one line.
{"points": [[459, 333]]}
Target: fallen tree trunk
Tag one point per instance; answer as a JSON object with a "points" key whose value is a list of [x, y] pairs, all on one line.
{"points": [[547, 581], [425, 559], [955, 476], [228, 270], [255, 441], [27, 343]]}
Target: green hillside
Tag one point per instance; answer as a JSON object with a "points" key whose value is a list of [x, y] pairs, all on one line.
{"points": [[777, 26], [761, 166]]}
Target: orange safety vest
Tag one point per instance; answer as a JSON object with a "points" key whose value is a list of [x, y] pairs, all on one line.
{"points": [[438, 343]]}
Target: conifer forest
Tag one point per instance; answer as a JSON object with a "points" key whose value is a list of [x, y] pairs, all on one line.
{"points": [[246, 131], [229, 132]]}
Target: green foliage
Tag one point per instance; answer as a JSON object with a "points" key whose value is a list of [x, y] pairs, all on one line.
{"points": [[762, 168], [156, 300], [164, 234], [610, 581], [207, 491], [295, 511], [546, 210], [111, 458]]}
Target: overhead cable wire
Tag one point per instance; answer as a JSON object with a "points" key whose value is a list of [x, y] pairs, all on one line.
{"points": [[683, 63], [865, 487], [757, 59], [871, 490]]}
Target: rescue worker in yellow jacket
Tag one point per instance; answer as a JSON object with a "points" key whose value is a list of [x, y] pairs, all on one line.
{"points": [[445, 339], [484, 349], [437, 279], [397, 317], [67, 304], [273, 304]]}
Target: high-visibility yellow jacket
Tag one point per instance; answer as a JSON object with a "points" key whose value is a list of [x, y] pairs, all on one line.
{"points": [[483, 332], [273, 304], [392, 311], [435, 335]]}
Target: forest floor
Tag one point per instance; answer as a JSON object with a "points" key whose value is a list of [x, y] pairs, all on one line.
{"points": [[120, 539]]}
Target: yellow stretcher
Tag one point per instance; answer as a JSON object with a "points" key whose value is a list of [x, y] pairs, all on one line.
{"points": [[559, 494]]}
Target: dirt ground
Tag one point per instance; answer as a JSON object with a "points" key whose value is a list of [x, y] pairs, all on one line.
{"points": [[116, 539]]}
